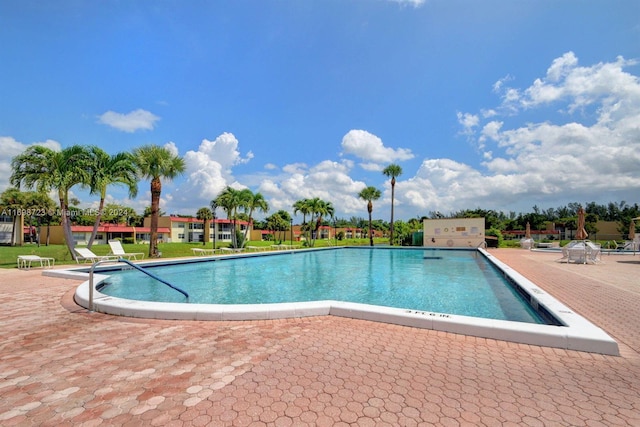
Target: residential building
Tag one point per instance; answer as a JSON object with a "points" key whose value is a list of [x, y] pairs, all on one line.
{"points": [[190, 229], [106, 232]]}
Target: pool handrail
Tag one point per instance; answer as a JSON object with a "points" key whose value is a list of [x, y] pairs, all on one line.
{"points": [[137, 267]]}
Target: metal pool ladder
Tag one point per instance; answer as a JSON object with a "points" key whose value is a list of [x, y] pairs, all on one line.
{"points": [[137, 267]]}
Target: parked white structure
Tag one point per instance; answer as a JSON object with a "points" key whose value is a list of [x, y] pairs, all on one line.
{"points": [[454, 232]]}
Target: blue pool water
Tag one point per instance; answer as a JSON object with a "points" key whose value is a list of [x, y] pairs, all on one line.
{"points": [[444, 281]]}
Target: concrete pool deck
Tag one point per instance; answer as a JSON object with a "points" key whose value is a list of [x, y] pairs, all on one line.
{"points": [[61, 365]]}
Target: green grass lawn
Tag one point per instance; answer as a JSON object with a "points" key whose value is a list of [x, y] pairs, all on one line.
{"points": [[9, 254]]}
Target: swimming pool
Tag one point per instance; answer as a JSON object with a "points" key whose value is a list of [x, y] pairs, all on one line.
{"points": [[571, 331], [447, 281]]}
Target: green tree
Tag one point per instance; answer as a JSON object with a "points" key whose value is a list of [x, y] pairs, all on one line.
{"points": [[205, 215], [303, 206], [107, 170], [230, 200], [252, 202], [46, 170], [114, 213], [41, 209], [13, 204], [369, 194], [156, 163], [318, 208], [44, 208], [392, 171], [278, 223]]}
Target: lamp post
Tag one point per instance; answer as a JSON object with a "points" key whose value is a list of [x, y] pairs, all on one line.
{"points": [[291, 230]]}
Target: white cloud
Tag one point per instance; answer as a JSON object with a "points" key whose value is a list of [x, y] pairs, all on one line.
{"points": [[135, 120], [497, 86], [328, 180], [561, 67], [172, 148], [550, 162], [468, 122], [209, 171], [370, 148], [372, 167], [414, 3], [595, 155]]}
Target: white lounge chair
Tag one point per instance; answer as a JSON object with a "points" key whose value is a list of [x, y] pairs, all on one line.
{"points": [[86, 255], [203, 251], [118, 250], [25, 261], [232, 250]]}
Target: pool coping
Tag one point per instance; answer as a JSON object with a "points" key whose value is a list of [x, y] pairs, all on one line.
{"points": [[575, 333]]}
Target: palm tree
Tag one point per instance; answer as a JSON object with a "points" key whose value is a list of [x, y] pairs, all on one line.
{"points": [[205, 215], [317, 208], [279, 221], [251, 202], [230, 200], [370, 194], [321, 209], [106, 170], [47, 170], [214, 206], [155, 162], [393, 171], [303, 206]]}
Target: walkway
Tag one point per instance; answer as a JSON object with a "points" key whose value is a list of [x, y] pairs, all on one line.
{"points": [[60, 365]]}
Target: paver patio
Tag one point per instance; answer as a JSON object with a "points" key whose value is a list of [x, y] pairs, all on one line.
{"points": [[61, 365]]}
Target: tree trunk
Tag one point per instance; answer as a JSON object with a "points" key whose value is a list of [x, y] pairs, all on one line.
{"points": [[94, 232], [370, 209], [246, 230], [156, 189], [393, 190], [14, 228], [66, 225], [205, 232]]}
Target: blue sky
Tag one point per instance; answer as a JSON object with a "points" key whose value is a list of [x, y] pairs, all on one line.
{"points": [[484, 104]]}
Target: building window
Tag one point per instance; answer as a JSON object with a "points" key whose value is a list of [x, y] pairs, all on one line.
{"points": [[181, 236]]}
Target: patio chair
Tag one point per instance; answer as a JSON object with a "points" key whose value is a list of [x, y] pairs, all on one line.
{"points": [[565, 250], [86, 255], [593, 252], [527, 243], [577, 253], [25, 261], [118, 250]]}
